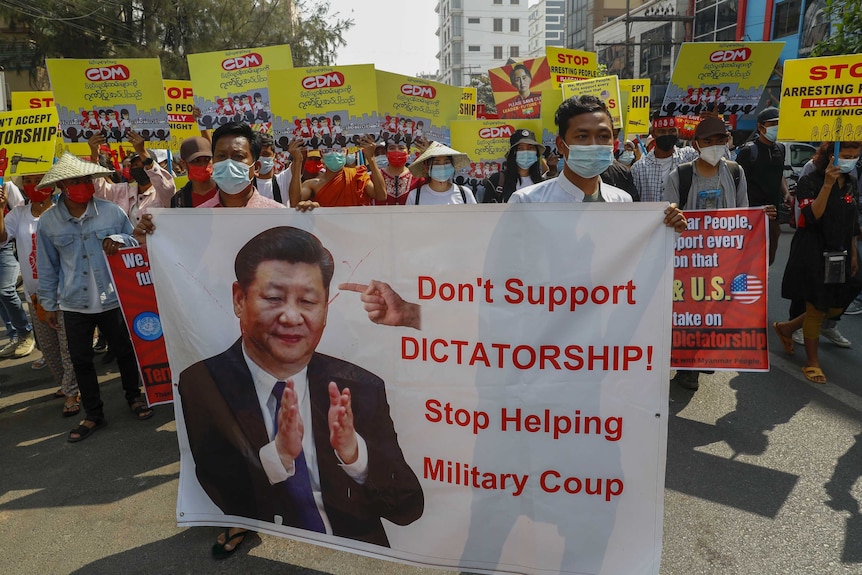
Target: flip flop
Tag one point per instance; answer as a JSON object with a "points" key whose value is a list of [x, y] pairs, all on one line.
{"points": [[70, 409], [219, 551], [812, 372], [59, 393], [786, 341]]}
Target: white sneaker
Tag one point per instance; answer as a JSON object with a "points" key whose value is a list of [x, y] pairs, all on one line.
{"points": [[855, 308], [8, 350], [27, 344], [833, 335], [798, 337]]}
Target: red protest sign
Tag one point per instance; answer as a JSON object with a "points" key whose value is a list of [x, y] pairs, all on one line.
{"points": [[130, 269], [719, 294]]}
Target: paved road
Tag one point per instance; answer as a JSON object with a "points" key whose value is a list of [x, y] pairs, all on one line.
{"points": [[749, 459]]}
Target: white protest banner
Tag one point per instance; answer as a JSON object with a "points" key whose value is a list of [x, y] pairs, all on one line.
{"points": [[509, 404]]}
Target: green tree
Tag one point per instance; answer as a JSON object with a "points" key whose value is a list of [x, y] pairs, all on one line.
{"points": [[172, 29], [846, 37], [484, 93]]}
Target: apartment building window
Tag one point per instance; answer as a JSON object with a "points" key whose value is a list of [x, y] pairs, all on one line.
{"points": [[498, 52], [456, 26], [514, 51], [498, 1], [786, 18], [714, 21], [498, 24], [514, 1], [473, 20], [514, 25], [473, 48]]}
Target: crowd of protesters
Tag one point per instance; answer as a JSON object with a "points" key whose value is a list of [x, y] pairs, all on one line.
{"points": [[65, 218]]}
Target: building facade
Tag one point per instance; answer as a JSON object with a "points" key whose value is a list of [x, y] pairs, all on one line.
{"points": [[475, 35], [547, 26], [662, 25], [584, 16]]}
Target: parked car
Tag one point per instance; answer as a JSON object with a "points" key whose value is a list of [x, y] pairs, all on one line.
{"points": [[796, 155]]}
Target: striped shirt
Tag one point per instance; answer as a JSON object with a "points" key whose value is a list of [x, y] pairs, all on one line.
{"points": [[650, 175]]}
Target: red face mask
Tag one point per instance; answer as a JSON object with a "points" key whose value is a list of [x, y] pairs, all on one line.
{"points": [[80, 193], [396, 158], [312, 168], [37, 196], [200, 173]]}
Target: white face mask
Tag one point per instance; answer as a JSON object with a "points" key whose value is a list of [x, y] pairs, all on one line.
{"points": [[712, 154], [231, 176]]}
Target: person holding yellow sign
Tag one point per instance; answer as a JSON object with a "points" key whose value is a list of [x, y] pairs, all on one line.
{"points": [[823, 261]]}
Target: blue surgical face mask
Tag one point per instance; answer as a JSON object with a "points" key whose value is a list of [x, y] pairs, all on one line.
{"points": [[526, 158], [231, 176], [382, 161], [589, 161], [772, 133], [350, 160], [442, 173], [627, 157], [334, 161], [846, 166], [266, 165]]}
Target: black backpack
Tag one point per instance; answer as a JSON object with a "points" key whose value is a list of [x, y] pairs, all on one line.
{"points": [[751, 146], [183, 197], [686, 172]]}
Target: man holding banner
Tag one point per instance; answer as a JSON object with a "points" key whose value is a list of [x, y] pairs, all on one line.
{"points": [[74, 280], [709, 183], [281, 433], [585, 140]]}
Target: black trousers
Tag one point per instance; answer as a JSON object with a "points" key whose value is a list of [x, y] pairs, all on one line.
{"points": [[80, 328]]}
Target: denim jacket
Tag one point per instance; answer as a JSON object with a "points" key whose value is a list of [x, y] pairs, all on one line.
{"points": [[66, 250]]}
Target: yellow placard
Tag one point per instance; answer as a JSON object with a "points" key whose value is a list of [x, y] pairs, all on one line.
{"points": [[32, 100], [179, 103], [552, 100], [821, 99], [411, 108], [487, 143], [111, 97], [41, 100], [324, 106], [569, 65], [27, 141], [231, 86], [469, 103], [726, 77], [635, 96], [606, 88]]}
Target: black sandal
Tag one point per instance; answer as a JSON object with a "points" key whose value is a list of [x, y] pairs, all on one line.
{"points": [[141, 411], [219, 551], [84, 431]]}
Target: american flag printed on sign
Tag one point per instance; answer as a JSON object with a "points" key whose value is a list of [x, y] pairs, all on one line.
{"points": [[746, 288]]}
